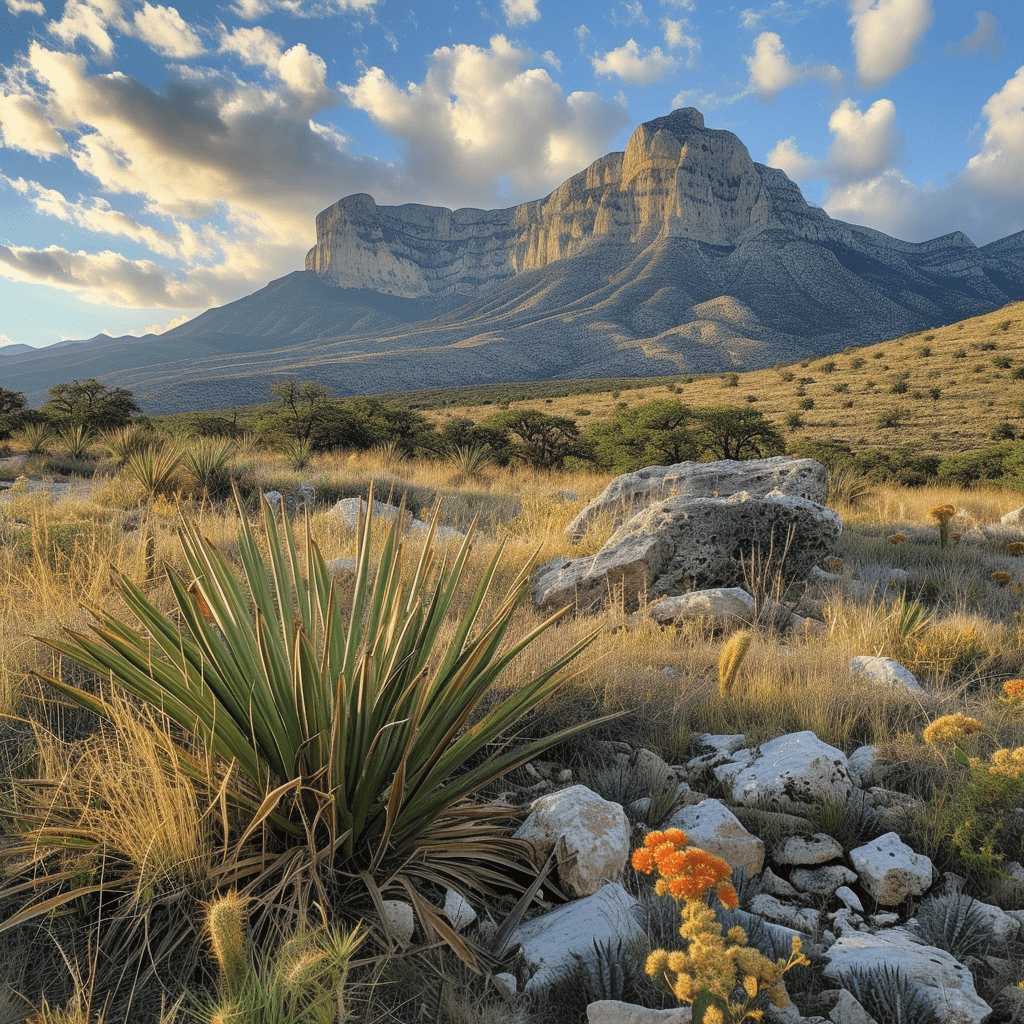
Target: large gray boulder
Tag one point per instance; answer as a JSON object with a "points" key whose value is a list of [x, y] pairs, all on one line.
{"points": [[945, 981], [713, 827], [682, 544], [803, 478]]}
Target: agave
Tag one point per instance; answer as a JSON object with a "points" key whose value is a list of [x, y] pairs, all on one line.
{"points": [[361, 735]]}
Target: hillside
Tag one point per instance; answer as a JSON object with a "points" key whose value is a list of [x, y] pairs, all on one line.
{"points": [[680, 255]]}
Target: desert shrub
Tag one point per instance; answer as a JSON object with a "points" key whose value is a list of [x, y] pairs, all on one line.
{"points": [[981, 464], [890, 997], [954, 922]]}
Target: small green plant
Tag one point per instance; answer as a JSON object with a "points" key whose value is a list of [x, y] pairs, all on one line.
{"points": [[208, 461], [154, 468], [731, 660], [298, 451], [470, 460], [78, 440], [120, 442]]}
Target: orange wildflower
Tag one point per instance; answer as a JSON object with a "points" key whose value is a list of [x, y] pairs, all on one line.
{"points": [[943, 513], [1013, 690]]}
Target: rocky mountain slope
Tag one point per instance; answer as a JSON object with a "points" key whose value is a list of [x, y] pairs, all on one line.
{"points": [[679, 255]]}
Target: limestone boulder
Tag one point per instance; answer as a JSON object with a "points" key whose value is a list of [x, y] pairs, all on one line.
{"points": [[804, 851], [682, 544], [612, 1011], [822, 880], [945, 981], [719, 607], [885, 672], [713, 827], [788, 773], [347, 511], [890, 870], [556, 941], [803, 478], [590, 837], [1014, 518]]}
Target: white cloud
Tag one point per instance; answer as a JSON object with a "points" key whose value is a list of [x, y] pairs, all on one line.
{"points": [[885, 33], [864, 144], [519, 12], [25, 124], [158, 328], [253, 9], [996, 169], [750, 19], [798, 165], [985, 32], [482, 114], [89, 20], [164, 29], [677, 37], [771, 70], [26, 7], [634, 14], [631, 66], [301, 71]]}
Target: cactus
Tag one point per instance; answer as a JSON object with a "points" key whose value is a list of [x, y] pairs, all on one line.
{"points": [[225, 921], [731, 658]]}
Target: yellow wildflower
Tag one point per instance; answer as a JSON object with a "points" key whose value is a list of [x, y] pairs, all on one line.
{"points": [[1015, 548], [950, 728], [1013, 691]]}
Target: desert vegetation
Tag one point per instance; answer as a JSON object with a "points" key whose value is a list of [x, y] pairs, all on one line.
{"points": [[234, 730], [136, 800]]}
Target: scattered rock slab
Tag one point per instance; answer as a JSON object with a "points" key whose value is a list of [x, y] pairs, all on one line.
{"points": [[947, 982], [713, 827], [719, 607], [611, 1011], [823, 880], [590, 837], [884, 671], [555, 941], [787, 773], [806, 850], [890, 870]]}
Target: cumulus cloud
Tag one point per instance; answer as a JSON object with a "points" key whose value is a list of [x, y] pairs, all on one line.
{"points": [[300, 70], [629, 64], [25, 124], [519, 12], [166, 31], [996, 169], [864, 144], [985, 33], [89, 20], [26, 7], [788, 156], [885, 33], [771, 70], [253, 9], [677, 37], [482, 114]]}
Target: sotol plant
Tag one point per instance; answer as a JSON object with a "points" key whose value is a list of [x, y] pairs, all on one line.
{"points": [[357, 732]]}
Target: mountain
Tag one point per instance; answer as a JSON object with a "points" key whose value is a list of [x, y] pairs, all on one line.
{"points": [[679, 255]]}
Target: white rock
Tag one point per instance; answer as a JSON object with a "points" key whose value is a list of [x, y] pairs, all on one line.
{"points": [[823, 880], [1002, 926], [553, 942], [884, 671], [399, 919], [611, 1011], [458, 911], [347, 510], [850, 899], [273, 499], [890, 870], [788, 772], [946, 982], [771, 883], [804, 850], [848, 1011], [340, 568], [590, 836], [713, 827], [507, 982], [1014, 518], [863, 766], [719, 607], [776, 476], [716, 749], [771, 909], [647, 765]]}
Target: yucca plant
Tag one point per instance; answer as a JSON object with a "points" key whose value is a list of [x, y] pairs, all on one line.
{"points": [[37, 437], [207, 461], [298, 451], [120, 442], [469, 460], [154, 467], [77, 439], [360, 735]]}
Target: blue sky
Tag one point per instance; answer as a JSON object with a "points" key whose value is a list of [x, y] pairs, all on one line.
{"points": [[159, 159]]}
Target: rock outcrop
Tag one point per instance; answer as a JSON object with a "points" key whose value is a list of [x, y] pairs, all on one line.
{"points": [[682, 544]]}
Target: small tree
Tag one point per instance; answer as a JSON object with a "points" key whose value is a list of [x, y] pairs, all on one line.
{"points": [[536, 438], [91, 405], [300, 406], [11, 405], [739, 432]]}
